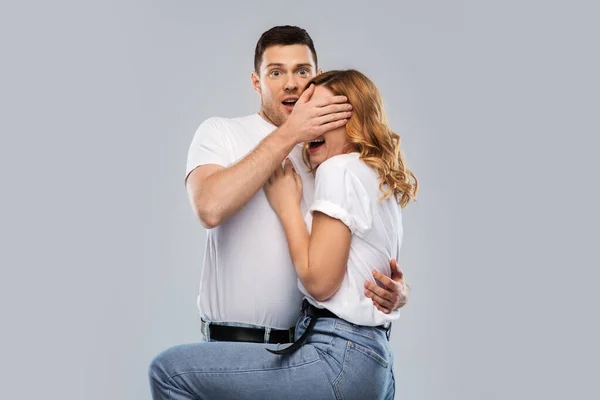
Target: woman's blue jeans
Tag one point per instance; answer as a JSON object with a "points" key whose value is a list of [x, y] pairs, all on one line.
{"points": [[340, 360]]}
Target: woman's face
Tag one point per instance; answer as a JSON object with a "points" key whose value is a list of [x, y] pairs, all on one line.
{"points": [[330, 143]]}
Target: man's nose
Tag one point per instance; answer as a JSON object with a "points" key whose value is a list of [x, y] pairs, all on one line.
{"points": [[291, 83]]}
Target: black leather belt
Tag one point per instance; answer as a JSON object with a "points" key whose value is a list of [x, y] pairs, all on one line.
{"points": [[224, 333], [315, 313], [310, 311]]}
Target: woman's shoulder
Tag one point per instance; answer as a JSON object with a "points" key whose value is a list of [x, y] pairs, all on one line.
{"points": [[349, 161], [346, 167]]}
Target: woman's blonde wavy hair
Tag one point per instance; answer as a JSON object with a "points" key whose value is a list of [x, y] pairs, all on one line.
{"points": [[369, 133]]}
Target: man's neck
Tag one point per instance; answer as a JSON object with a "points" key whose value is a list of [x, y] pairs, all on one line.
{"points": [[266, 118]]}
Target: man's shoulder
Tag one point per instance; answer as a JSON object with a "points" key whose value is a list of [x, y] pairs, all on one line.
{"points": [[229, 121]]}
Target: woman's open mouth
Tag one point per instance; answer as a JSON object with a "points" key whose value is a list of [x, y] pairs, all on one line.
{"points": [[314, 145]]}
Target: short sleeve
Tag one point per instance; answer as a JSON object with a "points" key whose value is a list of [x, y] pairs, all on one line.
{"points": [[341, 195], [208, 146]]}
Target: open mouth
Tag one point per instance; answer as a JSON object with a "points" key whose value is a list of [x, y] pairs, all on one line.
{"points": [[313, 145], [289, 103]]}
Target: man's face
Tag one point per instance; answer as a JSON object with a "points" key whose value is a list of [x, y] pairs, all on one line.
{"points": [[283, 75]]}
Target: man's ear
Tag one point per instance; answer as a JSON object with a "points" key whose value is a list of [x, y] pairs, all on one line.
{"points": [[319, 71], [255, 82]]}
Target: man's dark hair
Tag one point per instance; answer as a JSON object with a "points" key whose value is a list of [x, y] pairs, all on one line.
{"points": [[282, 35]]}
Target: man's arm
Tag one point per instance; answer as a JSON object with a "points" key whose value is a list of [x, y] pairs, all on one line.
{"points": [[216, 193]]}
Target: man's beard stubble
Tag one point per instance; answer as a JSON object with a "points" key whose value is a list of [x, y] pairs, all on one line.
{"points": [[276, 116]]}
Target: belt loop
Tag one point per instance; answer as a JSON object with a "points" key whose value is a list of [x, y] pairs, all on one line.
{"points": [[267, 333], [389, 332], [205, 329]]}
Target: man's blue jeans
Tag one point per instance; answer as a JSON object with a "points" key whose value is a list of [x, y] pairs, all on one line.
{"points": [[340, 360]]}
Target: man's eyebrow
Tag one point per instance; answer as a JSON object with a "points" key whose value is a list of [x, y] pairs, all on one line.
{"points": [[303, 65]]}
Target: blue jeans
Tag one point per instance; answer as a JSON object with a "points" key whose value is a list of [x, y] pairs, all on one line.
{"points": [[340, 360]]}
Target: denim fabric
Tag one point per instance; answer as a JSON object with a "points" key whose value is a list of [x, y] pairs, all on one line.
{"points": [[339, 361]]}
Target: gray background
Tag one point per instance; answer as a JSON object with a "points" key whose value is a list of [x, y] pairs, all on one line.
{"points": [[497, 103]]}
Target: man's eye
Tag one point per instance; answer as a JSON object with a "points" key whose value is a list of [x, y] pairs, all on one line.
{"points": [[303, 72], [275, 73]]}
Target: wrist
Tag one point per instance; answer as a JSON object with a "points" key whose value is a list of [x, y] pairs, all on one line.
{"points": [[287, 212], [284, 138]]}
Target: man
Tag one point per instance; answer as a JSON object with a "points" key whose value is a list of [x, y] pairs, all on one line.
{"points": [[249, 288]]}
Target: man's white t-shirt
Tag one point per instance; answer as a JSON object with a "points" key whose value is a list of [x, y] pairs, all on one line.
{"points": [[348, 189], [248, 275]]}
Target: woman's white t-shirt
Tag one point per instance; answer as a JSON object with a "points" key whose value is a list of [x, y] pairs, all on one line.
{"points": [[348, 189]]}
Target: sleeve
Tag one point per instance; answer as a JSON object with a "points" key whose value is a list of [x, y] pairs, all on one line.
{"points": [[341, 195], [208, 146]]}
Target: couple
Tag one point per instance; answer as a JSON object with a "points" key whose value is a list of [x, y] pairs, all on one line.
{"points": [[344, 178]]}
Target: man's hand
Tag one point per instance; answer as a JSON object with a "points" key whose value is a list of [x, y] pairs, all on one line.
{"points": [[393, 292], [311, 118]]}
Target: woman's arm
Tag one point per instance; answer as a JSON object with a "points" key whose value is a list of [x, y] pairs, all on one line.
{"points": [[320, 259]]}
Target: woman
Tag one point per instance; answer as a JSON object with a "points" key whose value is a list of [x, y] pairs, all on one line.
{"points": [[356, 224], [342, 349]]}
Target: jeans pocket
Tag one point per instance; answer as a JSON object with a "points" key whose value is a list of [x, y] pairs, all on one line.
{"points": [[378, 358], [362, 363]]}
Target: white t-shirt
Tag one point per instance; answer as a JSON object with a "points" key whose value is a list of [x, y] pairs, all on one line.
{"points": [[348, 189], [248, 275]]}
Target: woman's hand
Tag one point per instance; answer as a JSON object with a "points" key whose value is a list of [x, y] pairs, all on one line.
{"points": [[284, 189]]}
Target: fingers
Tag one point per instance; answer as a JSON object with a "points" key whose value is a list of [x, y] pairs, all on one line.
{"points": [[325, 119], [307, 94], [331, 100], [298, 180], [278, 171], [386, 293], [288, 167], [397, 273], [387, 282], [333, 108], [329, 127], [381, 303], [383, 310]]}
